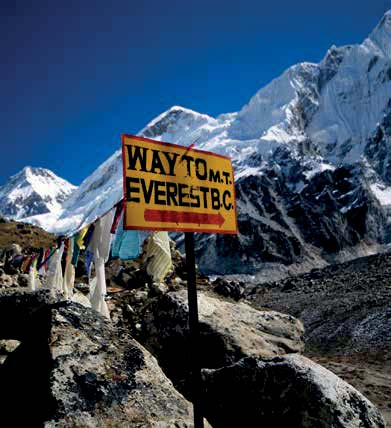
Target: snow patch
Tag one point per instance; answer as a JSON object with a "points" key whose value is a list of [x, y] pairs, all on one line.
{"points": [[382, 193]]}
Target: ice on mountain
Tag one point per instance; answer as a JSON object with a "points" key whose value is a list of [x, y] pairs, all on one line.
{"points": [[382, 193]]}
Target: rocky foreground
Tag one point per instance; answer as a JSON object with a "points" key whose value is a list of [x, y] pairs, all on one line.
{"points": [[73, 368], [265, 349]]}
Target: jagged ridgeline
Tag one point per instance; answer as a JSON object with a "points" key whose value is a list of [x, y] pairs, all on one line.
{"points": [[311, 152]]}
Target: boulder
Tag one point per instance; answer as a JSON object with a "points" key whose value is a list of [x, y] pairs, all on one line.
{"points": [[74, 369], [8, 281], [232, 289], [288, 391], [79, 297], [6, 348], [228, 332]]}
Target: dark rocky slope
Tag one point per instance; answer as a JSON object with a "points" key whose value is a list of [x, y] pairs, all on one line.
{"points": [[344, 307], [346, 311], [335, 216]]}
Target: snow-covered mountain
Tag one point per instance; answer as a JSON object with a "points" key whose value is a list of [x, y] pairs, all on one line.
{"points": [[312, 158], [33, 191]]}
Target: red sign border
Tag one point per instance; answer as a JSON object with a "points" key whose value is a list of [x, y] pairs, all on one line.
{"points": [[171, 229]]}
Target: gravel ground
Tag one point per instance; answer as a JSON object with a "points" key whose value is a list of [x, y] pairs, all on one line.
{"points": [[346, 310]]}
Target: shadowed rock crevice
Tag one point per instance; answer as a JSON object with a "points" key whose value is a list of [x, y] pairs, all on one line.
{"points": [[25, 375]]}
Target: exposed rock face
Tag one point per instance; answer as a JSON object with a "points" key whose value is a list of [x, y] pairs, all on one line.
{"points": [[265, 233], [335, 211], [73, 368], [228, 332], [378, 148], [288, 391]]}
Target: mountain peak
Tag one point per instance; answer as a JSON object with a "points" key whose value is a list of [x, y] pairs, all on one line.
{"points": [[33, 191], [381, 35], [386, 20], [24, 173], [27, 169], [166, 124], [174, 111], [182, 109], [29, 172]]}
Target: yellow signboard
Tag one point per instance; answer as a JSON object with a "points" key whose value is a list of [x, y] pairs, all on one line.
{"points": [[176, 188]]}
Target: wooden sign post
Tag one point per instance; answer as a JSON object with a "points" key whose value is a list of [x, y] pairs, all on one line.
{"points": [[194, 333], [174, 188]]}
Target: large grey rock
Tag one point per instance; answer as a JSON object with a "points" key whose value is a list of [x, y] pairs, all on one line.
{"points": [[8, 281], [6, 348], [73, 369], [289, 391], [228, 332]]}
